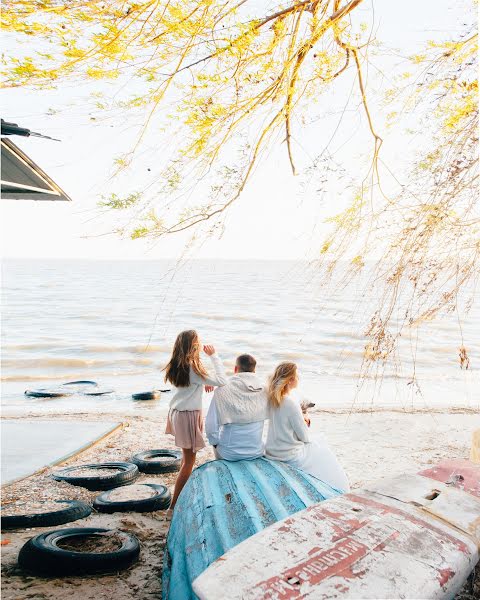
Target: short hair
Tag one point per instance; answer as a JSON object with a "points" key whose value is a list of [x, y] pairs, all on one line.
{"points": [[246, 363]]}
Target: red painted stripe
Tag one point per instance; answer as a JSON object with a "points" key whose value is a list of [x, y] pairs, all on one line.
{"points": [[337, 560]]}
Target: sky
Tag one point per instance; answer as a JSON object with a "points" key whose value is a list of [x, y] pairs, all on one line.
{"points": [[272, 220]]}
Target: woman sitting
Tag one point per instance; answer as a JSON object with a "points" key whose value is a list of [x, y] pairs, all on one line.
{"points": [[288, 438]]}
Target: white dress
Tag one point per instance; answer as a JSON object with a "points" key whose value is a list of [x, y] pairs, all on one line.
{"points": [[288, 440]]}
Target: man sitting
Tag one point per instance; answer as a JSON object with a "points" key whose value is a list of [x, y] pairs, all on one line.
{"points": [[234, 423]]}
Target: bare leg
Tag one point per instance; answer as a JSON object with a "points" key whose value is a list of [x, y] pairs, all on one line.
{"points": [[188, 462]]}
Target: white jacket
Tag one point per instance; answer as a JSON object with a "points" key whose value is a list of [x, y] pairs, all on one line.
{"points": [[190, 397], [242, 400], [234, 423]]}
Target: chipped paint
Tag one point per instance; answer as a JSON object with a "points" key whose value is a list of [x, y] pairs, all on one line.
{"points": [[373, 543], [224, 503], [385, 509], [339, 558], [444, 576], [462, 474], [440, 501]]}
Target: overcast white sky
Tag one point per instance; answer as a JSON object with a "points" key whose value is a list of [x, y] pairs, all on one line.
{"points": [[255, 227]]}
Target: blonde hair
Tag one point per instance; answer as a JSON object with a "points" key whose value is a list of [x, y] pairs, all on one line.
{"points": [[186, 354], [279, 383]]}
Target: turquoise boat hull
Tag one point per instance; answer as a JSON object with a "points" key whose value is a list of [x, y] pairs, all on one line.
{"points": [[224, 503]]}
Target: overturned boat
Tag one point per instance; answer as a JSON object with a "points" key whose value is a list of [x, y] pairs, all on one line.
{"points": [[409, 536], [223, 504]]}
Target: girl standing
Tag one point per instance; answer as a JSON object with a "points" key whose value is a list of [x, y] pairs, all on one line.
{"points": [[288, 438], [186, 372]]}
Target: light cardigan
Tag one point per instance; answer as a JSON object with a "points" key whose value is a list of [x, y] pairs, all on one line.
{"points": [[287, 431], [190, 397]]}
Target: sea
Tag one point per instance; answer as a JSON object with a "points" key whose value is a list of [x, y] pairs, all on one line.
{"points": [[115, 322]]}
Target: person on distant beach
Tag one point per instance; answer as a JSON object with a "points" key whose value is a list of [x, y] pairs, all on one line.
{"points": [[186, 372], [237, 413], [288, 438]]}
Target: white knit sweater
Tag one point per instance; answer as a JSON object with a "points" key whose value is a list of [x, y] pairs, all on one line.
{"points": [[287, 431], [242, 400], [190, 397]]}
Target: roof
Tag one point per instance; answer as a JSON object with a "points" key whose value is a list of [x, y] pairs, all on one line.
{"points": [[22, 179]]}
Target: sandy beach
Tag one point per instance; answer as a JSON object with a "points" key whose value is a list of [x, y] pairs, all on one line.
{"points": [[370, 445]]}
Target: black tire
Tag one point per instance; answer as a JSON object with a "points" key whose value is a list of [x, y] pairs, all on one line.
{"points": [[128, 474], [99, 392], [73, 512], [147, 395], [68, 389], [44, 393], [160, 501], [167, 461], [42, 556], [153, 395]]}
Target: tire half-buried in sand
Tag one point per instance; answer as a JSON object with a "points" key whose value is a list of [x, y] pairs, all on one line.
{"points": [[95, 477], [163, 460], [85, 387], [133, 498], [153, 395], [55, 512], [79, 551]]}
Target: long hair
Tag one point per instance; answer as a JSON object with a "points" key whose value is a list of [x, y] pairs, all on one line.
{"points": [[279, 382], [186, 354]]}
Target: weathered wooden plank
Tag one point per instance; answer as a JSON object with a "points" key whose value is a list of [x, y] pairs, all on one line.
{"points": [[439, 500]]}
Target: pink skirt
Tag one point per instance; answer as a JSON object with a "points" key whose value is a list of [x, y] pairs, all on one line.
{"points": [[187, 427]]}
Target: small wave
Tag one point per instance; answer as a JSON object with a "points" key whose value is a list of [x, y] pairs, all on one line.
{"points": [[217, 317], [277, 356], [144, 348], [67, 376], [36, 346], [138, 349], [39, 363], [46, 362], [95, 349]]}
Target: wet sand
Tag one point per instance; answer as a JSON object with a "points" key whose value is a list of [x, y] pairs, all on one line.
{"points": [[370, 445]]}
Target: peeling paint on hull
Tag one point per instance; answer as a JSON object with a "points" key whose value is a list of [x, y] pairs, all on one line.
{"points": [[223, 504], [403, 537], [461, 474]]}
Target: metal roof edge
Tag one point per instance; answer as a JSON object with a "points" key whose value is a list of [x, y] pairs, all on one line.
{"points": [[35, 168]]}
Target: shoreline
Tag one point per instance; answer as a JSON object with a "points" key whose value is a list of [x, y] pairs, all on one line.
{"points": [[161, 412], [370, 445]]}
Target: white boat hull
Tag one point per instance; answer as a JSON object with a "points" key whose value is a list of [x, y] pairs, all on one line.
{"points": [[405, 537]]}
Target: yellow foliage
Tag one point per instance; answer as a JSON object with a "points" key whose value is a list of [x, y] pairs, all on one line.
{"points": [[98, 73]]}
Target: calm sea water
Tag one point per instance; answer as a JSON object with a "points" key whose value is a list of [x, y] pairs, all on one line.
{"points": [[115, 322]]}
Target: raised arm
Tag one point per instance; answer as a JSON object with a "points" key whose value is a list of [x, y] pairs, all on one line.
{"points": [[218, 378]]}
